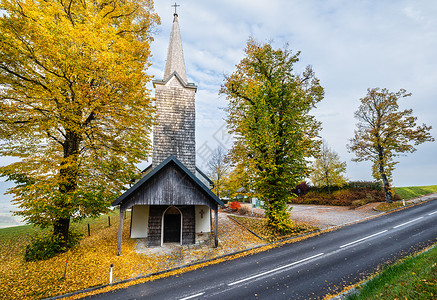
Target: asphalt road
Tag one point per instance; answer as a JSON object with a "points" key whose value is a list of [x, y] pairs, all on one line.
{"points": [[309, 269]]}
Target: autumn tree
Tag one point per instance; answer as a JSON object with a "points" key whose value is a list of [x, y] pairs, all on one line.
{"points": [[268, 113], [235, 181], [218, 170], [384, 132], [327, 170], [74, 106]]}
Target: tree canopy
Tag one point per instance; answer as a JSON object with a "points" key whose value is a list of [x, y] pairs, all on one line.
{"points": [[327, 169], [74, 106], [385, 132], [268, 113]]}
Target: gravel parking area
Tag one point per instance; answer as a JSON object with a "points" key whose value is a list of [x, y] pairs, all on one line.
{"points": [[329, 216], [325, 216]]}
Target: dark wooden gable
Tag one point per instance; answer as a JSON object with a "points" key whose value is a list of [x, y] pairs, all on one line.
{"points": [[170, 183]]}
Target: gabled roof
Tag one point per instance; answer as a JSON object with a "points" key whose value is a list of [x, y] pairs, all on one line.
{"points": [[170, 160], [204, 176], [149, 168]]}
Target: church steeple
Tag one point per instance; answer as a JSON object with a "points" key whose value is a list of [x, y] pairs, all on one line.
{"points": [[174, 131], [175, 56]]}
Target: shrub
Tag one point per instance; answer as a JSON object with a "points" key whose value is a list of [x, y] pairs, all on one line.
{"points": [[235, 205], [47, 246], [243, 210], [303, 187], [280, 221], [344, 197]]}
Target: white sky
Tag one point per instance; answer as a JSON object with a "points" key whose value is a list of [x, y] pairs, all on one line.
{"points": [[352, 46]]}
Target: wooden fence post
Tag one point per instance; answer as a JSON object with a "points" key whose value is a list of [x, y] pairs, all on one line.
{"points": [[120, 232], [216, 227]]}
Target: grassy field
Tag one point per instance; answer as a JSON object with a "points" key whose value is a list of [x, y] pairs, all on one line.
{"points": [[415, 278], [415, 191], [34, 280]]}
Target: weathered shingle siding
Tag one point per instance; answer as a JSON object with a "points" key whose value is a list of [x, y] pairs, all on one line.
{"points": [[155, 224], [188, 225], [174, 131]]}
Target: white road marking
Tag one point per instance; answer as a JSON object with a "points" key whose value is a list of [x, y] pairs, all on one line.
{"points": [[408, 222], [274, 270], [360, 240], [192, 296], [432, 213]]}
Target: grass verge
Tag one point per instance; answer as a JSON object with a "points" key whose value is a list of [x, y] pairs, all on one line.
{"points": [[257, 225], [389, 206], [414, 278], [415, 191]]}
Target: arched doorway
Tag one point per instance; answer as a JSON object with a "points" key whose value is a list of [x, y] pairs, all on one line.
{"points": [[172, 225]]}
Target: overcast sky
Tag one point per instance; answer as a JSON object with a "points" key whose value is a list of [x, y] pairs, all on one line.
{"points": [[351, 45]]}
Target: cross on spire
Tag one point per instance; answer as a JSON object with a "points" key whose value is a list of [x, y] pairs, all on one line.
{"points": [[175, 6]]}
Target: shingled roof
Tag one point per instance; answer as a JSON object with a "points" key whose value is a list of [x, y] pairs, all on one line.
{"points": [[175, 57]]}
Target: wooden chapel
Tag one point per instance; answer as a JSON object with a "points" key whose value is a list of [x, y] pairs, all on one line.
{"points": [[172, 202]]}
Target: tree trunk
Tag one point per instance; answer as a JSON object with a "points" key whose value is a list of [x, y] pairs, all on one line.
{"points": [[68, 175], [388, 195], [61, 228]]}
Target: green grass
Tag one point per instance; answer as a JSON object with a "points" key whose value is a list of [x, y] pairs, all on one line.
{"points": [[415, 278], [415, 191], [17, 237]]}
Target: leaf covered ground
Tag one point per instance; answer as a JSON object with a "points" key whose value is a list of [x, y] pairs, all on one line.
{"points": [[88, 264], [258, 226]]}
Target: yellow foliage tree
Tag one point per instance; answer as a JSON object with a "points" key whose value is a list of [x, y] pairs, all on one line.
{"points": [[384, 132], [236, 181], [74, 105]]}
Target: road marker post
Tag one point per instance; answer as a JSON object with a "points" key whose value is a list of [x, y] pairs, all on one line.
{"points": [[110, 274]]}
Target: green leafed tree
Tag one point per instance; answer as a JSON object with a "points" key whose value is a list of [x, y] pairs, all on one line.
{"points": [[268, 113], [384, 132], [75, 110], [327, 170]]}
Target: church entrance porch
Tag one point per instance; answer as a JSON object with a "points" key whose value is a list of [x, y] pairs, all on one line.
{"points": [[172, 225]]}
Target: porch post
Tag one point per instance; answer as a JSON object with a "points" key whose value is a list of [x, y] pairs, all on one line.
{"points": [[120, 231], [216, 227]]}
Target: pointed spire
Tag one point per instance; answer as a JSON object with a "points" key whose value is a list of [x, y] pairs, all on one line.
{"points": [[175, 57]]}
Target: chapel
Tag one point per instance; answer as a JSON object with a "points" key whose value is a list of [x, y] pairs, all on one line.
{"points": [[173, 201]]}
